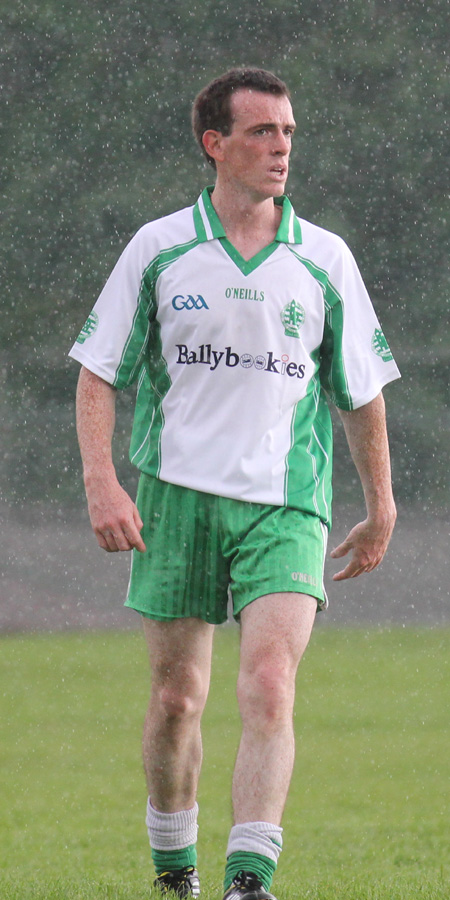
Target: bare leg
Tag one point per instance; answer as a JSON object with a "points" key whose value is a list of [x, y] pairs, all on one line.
{"points": [[180, 661], [275, 632]]}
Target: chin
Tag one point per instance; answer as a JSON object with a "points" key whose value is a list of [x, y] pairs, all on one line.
{"points": [[278, 190], [271, 191]]}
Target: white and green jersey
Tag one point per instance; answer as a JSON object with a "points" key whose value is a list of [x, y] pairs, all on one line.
{"points": [[233, 359]]}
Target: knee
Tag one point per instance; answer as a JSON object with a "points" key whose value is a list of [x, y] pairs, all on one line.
{"points": [[266, 692], [181, 696], [175, 704]]}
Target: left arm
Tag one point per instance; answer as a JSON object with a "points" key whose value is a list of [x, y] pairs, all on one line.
{"points": [[365, 429]]}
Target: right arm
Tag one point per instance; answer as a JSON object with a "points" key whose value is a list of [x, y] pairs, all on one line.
{"points": [[365, 429], [114, 517]]}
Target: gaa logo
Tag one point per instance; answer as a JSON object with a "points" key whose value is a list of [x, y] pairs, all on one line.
{"points": [[189, 302], [88, 328], [380, 345], [292, 317]]}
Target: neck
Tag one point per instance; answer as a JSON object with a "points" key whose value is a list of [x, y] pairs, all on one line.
{"points": [[250, 224], [239, 212]]}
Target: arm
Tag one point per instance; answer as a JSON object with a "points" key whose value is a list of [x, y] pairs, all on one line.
{"points": [[114, 517], [365, 429]]}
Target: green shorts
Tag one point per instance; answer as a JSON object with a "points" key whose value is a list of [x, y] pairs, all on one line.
{"points": [[202, 548]]}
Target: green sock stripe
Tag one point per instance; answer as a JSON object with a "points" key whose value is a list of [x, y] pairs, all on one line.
{"points": [[171, 860], [261, 866]]}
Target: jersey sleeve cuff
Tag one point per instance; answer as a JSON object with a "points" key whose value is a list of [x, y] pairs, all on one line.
{"points": [[369, 395], [93, 366]]}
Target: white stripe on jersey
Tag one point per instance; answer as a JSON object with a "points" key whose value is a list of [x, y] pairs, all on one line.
{"points": [[205, 220]]}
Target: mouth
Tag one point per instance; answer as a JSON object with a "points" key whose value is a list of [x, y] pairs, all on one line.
{"points": [[279, 171]]}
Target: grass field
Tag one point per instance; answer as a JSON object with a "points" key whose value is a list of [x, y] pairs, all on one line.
{"points": [[368, 812]]}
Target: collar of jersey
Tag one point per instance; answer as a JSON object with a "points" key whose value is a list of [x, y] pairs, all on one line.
{"points": [[209, 227]]}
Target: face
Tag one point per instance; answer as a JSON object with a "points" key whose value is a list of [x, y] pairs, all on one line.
{"points": [[255, 156]]}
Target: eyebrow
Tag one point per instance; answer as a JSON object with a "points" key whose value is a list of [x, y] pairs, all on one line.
{"points": [[291, 125]]}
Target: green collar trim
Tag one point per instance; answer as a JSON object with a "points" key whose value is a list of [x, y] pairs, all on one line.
{"points": [[247, 266], [207, 223], [289, 229], [208, 226]]}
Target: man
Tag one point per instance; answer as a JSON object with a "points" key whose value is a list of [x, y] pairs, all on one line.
{"points": [[234, 317]]}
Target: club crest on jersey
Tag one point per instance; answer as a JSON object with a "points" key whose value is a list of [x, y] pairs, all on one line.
{"points": [[380, 345], [88, 328], [189, 302], [292, 317]]}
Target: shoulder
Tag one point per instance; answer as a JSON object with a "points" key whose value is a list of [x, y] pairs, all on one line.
{"points": [[167, 231], [153, 239], [329, 259], [319, 241], [328, 255]]}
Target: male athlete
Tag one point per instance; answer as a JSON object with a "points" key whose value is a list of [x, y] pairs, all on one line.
{"points": [[237, 320]]}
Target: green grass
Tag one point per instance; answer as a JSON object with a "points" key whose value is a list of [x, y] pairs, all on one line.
{"points": [[368, 812]]}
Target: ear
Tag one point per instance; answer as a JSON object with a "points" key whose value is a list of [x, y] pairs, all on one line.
{"points": [[212, 142]]}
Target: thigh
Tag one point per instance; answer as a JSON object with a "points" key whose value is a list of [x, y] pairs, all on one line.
{"points": [[275, 630], [182, 573], [277, 550], [180, 653]]}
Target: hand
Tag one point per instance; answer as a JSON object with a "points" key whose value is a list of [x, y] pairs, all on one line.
{"points": [[368, 542], [114, 517]]}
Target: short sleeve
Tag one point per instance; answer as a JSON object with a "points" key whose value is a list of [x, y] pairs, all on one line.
{"points": [[356, 361], [114, 337]]}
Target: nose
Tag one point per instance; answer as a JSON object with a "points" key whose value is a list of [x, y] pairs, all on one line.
{"points": [[282, 143]]}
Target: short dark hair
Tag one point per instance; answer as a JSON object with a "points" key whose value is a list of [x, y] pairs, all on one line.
{"points": [[212, 106]]}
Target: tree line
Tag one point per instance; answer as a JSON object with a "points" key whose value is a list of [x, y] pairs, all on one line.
{"points": [[96, 140]]}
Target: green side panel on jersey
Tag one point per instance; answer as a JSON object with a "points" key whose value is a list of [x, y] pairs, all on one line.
{"points": [[140, 333], [165, 258], [145, 446], [332, 369], [154, 378], [308, 478], [144, 411], [134, 349]]}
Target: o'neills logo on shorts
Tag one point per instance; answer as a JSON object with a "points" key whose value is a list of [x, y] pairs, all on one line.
{"points": [[304, 578], [268, 362]]}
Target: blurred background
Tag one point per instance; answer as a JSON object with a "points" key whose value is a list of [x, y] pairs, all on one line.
{"points": [[95, 141]]}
